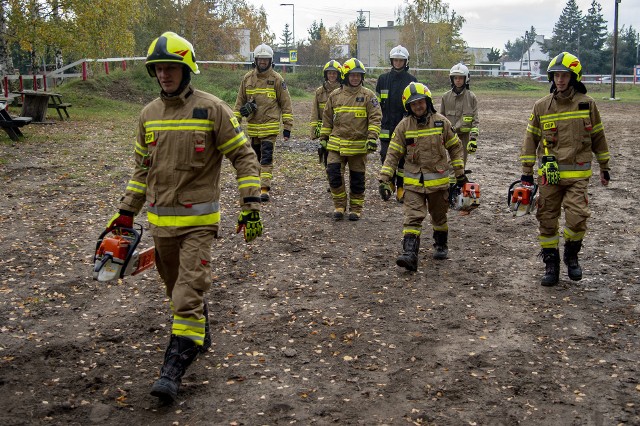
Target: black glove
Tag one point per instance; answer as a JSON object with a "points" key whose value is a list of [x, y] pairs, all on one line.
{"points": [[606, 176], [526, 180], [461, 180], [286, 133], [385, 190], [248, 108], [372, 145]]}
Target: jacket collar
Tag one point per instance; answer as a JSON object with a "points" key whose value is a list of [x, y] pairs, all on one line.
{"points": [[179, 99]]}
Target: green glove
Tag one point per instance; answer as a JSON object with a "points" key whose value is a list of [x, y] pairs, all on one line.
{"points": [[372, 145], [385, 190], [249, 221], [472, 146], [323, 143], [317, 130]]}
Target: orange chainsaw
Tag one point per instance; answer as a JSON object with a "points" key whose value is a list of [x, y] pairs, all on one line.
{"points": [[521, 199], [465, 198], [116, 255]]}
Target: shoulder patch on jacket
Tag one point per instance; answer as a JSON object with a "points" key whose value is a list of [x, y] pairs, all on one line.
{"points": [[284, 85], [583, 106], [235, 124], [374, 102], [438, 123], [200, 113], [360, 99]]}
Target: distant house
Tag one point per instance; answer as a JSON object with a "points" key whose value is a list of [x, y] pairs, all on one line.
{"points": [[531, 61]]}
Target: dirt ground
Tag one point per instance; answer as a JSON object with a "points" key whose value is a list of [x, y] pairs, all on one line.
{"points": [[314, 323]]}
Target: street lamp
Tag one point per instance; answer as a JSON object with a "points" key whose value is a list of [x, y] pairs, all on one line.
{"points": [[293, 21], [368, 35], [615, 51]]}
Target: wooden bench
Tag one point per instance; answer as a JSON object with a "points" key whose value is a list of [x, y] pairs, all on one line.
{"points": [[12, 125], [56, 102]]}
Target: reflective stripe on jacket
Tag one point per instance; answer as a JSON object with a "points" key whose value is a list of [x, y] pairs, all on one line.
{"points": [[319, 101]]}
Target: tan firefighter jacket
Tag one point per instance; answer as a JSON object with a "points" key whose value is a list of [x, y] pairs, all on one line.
{"points": [[178, 156], [351, 117], [429, 149], [572, 131], [319, 101], [462, 111], [269, 91]]}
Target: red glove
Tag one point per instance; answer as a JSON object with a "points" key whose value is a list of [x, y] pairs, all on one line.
{"points": [[123, 218]]}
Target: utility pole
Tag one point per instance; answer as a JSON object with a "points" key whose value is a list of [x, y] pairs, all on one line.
{"points": [[615, 51]]}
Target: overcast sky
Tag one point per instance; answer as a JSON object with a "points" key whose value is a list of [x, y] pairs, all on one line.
{"points": [[489, 23]]}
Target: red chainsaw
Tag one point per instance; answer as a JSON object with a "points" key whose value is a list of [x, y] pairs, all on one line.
{"points": [[116, 255], [521, 199]]}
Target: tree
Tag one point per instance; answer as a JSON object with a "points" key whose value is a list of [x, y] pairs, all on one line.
{"points": [[568, 32], [516, 50], [627, 50], [432, 33], [316, 30], [285, 38], [361, 21], [595, 29], [493, 55]]}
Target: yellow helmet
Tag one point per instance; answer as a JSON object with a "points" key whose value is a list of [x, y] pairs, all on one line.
{"points": [[413, 92], [353, 66], [170, 47], [565, 62], [332, 66]]}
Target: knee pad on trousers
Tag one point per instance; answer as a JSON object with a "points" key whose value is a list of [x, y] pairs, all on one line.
{"points": [[335, 177], [357, 182], [267, 153], [256, 149]]}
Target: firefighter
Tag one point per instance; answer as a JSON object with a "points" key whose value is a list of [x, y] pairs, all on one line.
{"points": [[427, 142], [263, 99], [460, 106], [182, 138], [350, 128], [389, 92], [332, 72], [564, 133]]}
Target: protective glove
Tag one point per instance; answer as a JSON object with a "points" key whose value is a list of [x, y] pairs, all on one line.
{"points": [[605, 177], [323, 144], [385, 190], [472, 146], [372, 145], [526, 180], [461, 180], [248, 108], [317, 129], [249, 221], [286, 134], [123, 218]]}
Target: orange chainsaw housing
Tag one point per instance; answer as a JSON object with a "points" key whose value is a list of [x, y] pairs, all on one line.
{"points": [[469, 189], [117, 245], [521, 195]]}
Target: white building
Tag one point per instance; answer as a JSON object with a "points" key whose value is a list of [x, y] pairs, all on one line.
{"points": [[531, 61]]}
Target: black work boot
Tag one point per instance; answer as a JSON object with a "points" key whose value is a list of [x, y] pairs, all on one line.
{"points": [[180, 353], [570, 257], [551, 259], [206, 344], [440, 245], [409, 257]]}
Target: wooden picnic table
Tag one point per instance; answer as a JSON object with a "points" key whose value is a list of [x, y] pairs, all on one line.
{"points": [[12, 125], [35, 105]]}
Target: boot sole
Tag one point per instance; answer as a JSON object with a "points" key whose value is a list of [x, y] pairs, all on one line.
{"points": [[162, 391], [406, 265]]}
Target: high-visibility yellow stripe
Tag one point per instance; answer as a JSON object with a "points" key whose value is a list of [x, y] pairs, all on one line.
{"points": [[411, 230], [139, 187], [428, 183], [535, 130], [571, 174], [561, 116], [396, 147], [570, 235], [233, 143], [261, 91], [547, 241], [189, 327], [180, 221], [444, 227], [423, 132], [184, 124]]}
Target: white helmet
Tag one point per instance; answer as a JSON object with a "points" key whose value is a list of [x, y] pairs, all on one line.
{"points": [[263, 51], [399, 52], [460, 69]]}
